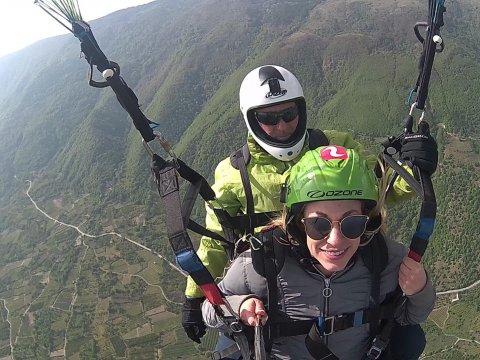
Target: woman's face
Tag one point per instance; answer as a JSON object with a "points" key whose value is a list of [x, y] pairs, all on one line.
{"points": [[335, 250]]}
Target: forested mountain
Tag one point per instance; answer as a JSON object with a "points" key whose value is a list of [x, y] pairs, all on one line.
{"points": [[104, 296]]}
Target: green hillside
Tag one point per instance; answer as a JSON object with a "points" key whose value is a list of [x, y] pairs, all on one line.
{"points": [[74, 279]]}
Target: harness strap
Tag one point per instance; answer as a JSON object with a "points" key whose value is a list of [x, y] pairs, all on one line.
{"points": [[197, 186], [272, 289], [240, 160], [242, 342], [435, 22], [382, 339], [333, 324], [316, 138], [225, 353], [187, 258], [242, 166], [376, 270], [246, 223], [201, 230], [242, 222]]}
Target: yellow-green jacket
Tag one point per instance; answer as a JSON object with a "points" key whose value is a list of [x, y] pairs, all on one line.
{"points": [[267, 174]]}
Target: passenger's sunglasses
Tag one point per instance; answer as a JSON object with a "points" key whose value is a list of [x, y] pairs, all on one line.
{"points": [[352, 226], [273, 118]]}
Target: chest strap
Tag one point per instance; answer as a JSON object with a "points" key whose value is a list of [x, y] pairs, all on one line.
{"points": [[243, 222], [328, 325]]}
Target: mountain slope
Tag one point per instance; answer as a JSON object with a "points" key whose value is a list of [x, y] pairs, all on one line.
{"points": [[99, 293]]}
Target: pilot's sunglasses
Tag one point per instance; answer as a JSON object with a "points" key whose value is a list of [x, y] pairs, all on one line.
{"points": [[273, 118], [352, 226]]}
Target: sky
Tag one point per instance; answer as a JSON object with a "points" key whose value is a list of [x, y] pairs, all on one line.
{"points": [[22, 22]]}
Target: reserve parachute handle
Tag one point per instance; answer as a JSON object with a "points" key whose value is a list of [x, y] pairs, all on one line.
{"points": [[420, 181]]}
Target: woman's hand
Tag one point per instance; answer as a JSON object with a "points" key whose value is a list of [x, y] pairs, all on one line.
{"points": [[252, 311], [412, 277]]}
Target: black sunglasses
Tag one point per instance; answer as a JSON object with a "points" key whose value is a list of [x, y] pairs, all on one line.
{"points": [[273, 118], [352, 226]]}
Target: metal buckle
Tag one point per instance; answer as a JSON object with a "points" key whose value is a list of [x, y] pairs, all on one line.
{"points": [[236, 327], [330, 328], [374, 352], [255, 242], [325, 325]]}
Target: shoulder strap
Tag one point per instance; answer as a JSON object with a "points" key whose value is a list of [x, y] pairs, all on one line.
{"points": [[375, 257], [239, 160], [316, 138], [375, 254], [241, 154], [268, 257]]}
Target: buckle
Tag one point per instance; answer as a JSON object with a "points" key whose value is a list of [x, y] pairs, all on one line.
{"points": [[236, 327], [216, 355], [325, 325], [328, 325], [376, 350], [255, 243]]}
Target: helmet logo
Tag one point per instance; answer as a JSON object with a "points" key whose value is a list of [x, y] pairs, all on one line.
{"points": [[271, 75], [275, 89], [334, 153]]}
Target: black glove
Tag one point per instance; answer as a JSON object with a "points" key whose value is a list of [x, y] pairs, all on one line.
{"points": [[192, 321], [420, 149]]}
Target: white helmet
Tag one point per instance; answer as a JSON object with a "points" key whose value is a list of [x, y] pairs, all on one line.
{"points": [[271, 85]]}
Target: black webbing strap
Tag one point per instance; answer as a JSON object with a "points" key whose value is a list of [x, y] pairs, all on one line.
{"points": [[268, 254], [382, 339], [240, 159], [187, 258], [272, 290], [376, 269], [316, 138], [242, 222], [125, 96], [333, 324], [247, 187], [422, 184], [129, 101], [193, 177], [197, 185], [435, 22], [201, 230], [426, 221], [225, 353]]}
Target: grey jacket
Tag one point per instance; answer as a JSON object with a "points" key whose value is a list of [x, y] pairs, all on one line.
{"points": [[300, 294]]}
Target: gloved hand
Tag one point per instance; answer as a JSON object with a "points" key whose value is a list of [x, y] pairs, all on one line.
{"points": [[192, 321], [420, 149]]}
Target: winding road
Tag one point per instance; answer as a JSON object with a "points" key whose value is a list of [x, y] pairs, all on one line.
{"points": [[173, 266]]}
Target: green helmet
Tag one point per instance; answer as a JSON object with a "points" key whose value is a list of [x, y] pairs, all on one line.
{"points": [[331, 173]]}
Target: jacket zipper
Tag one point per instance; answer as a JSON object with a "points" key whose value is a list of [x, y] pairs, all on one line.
{"points": [[327, 293]]}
